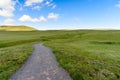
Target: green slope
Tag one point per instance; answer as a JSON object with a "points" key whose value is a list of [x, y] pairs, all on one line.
{"points": [[16, 28]]}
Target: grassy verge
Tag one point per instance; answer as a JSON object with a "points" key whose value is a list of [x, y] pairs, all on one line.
{"points": [[11, 58]]}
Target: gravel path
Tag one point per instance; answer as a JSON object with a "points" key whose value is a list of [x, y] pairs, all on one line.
{"points": [[41, 65]]}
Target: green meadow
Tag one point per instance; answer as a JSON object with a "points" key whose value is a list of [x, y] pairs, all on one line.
{"points": [[84, 54]]}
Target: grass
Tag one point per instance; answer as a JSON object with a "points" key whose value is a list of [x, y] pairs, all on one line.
{"points": [[16, 28], [11, 59], [85, 54]]}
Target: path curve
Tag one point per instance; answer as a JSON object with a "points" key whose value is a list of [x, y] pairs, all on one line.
{"points": [[41, 65]]}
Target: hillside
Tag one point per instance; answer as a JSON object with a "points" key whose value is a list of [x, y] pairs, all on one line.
{"points": [[17, 28]]}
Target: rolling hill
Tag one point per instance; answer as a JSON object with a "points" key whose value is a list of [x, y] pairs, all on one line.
{"points": [[16, 28]]}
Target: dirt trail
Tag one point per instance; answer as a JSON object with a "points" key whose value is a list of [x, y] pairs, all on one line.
{"points": [[41, 65]]}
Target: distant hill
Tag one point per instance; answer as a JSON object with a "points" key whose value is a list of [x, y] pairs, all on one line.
{"points": [[16, 28]]}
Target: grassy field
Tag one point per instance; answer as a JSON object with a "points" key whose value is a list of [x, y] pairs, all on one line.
{"points": [[85, 54]]}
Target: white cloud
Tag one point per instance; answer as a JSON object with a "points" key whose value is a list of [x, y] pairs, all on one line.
{"points": [[36, 7], [21, 8], [7, 8], [53, 16], [51, 4], [118, 5], [27, 18], [31, 2], [38, 4], [42, 19], [6, 13], [47, 3], [8, 21], [54, 6]]}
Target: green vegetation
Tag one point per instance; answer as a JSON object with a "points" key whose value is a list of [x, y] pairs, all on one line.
{"points": [[85, 54], [16, 28]]}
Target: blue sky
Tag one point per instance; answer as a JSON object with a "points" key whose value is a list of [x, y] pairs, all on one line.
{"points": [[61, 14]]}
